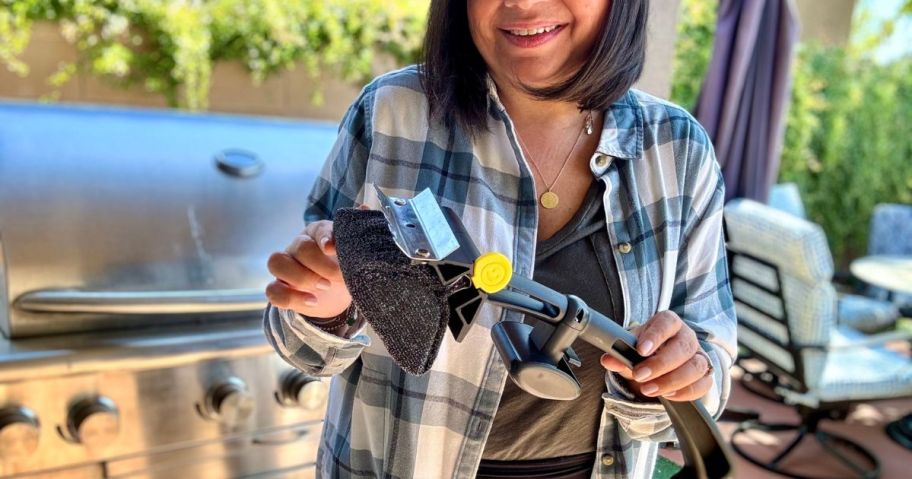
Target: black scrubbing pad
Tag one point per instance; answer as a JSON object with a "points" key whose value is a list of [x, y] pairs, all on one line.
{"points": [[404, 303]]}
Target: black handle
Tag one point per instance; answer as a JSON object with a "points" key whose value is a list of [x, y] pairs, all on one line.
{"points": [[706, 454], [705, 451]]}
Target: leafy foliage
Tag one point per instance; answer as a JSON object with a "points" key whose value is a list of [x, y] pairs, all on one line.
{"points": [[693, 51], [169, 46], [848, 137], [848, 141]]}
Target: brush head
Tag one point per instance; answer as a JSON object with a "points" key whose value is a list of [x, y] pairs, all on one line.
{"points": [[405, 303]]}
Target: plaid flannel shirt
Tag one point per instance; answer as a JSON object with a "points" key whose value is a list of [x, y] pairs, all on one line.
{"points": [[663, 201]]}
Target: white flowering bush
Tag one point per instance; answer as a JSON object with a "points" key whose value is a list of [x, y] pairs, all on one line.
{"points": [[169, 46]]}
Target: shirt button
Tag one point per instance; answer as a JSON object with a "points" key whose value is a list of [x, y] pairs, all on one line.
{"points": [[624, 248], [607, 460], [601, 161]]}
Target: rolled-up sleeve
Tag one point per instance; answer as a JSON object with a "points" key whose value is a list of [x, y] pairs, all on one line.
{"points": [[307, 347]]}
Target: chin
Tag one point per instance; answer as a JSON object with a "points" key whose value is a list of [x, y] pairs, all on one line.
{"points": [[538, 73], [538, 78]]}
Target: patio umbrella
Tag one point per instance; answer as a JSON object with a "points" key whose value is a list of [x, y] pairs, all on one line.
{"points": [[745, 95]]}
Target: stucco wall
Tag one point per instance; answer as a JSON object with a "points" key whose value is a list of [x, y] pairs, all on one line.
{"points": [[285, 94], [657, 74], [826, 21]]}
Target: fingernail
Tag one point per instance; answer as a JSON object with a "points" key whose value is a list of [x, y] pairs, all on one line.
{"points": [[323, 241], [640, 375], [310, 301], [649, 389], [323, 284], [646, 348], [668, 395]]}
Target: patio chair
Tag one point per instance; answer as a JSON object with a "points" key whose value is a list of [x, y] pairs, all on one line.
{"points": [[868, 314], [786, 197], [891, 234], [781, 270]]}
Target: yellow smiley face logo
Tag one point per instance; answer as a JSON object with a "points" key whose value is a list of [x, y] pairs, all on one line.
{"points": [[492, 272]]}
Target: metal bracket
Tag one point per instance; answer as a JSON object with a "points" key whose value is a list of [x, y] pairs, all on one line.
{"points": [[418, 225]]}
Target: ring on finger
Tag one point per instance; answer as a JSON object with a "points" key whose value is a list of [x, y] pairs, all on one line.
{"points": [[709, 364]]}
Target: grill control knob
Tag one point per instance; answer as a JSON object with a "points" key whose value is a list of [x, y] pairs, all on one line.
{"points": [[93, 421], [19, 431], [228, 402], [297, 389]]}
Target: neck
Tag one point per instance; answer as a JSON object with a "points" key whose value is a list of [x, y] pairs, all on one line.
{"points": [[526, 110]]}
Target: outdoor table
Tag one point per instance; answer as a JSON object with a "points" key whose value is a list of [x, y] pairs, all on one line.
{"points": [[893, 273]]}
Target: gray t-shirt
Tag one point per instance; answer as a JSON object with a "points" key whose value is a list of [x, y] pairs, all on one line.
{"points": [[576, 260]]}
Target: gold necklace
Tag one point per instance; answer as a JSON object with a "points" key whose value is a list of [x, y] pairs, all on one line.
{"points": [[549, 199]]}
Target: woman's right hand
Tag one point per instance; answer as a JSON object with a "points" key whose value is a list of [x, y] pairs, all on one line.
{"points": [[308, 278]]}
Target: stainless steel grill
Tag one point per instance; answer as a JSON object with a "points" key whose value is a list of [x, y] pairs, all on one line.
{"points": [[132, 265]]}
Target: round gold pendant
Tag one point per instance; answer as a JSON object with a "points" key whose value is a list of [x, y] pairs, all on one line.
{"points": [[549, 199]]}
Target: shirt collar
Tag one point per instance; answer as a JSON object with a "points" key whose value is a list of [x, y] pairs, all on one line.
{"points": [[622, 131]]}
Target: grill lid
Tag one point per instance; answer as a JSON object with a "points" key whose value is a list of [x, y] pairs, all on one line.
{"points": [[113, 218]]}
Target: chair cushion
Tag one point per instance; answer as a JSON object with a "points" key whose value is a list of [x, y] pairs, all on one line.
{"points": [[797, 246], [891, 234], [891, 230], [903, 300], [786, 197], [799, 249], [864, 372], [866, 314]]}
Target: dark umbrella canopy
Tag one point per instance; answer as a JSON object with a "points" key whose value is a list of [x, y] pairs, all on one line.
{"points": [[745, 95]]}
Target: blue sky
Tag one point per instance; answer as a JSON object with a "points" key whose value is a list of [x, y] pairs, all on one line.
{"points": [[901, 41]]}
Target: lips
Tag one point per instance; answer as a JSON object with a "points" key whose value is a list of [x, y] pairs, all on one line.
{"points": [[531, 37]]}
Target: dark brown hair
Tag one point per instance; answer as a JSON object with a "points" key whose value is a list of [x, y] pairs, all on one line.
{"points": [[453, 72]]}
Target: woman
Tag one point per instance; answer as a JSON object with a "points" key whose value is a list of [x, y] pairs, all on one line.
{"points": [[521, 119]]}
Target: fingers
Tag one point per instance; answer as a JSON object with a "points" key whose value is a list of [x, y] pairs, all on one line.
{"points": [[306, 250], [294, 274], [284, 296], [610, 363], [308, 277], [671, 368], [660, 328], [669, 356], [322, 234], [305, 265], [692, 392], [682, 382]]}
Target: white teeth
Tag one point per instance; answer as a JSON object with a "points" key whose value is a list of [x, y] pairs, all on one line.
{"points": [[535, 31]]}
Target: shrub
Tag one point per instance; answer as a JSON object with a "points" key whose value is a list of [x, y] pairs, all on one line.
{"points": [[848, 141], [168, 46]]}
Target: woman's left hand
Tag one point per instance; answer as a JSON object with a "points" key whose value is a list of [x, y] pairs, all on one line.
{"points": [[675, 368]]}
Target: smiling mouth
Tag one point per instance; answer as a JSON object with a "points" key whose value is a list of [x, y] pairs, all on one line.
{"points": [[530, 32], [531, 37]]}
